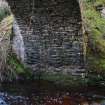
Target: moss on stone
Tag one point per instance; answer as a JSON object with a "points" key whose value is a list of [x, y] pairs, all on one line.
{"points": [[96, 31], [4, 10], [13, 68], [16, 66], [62, 79]]}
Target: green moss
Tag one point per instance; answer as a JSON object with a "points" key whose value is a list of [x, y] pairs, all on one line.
{"points": [[96, 63], [62, 79], [99, 2], [4, 12], [16, 66], [96, 26]]}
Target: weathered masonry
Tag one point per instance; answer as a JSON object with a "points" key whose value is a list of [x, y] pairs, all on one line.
{"points": [[52, 34]]}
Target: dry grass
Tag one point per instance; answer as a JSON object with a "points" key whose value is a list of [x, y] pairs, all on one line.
{"points": [[5, 32]]}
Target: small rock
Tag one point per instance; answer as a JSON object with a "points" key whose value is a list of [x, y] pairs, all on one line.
{"points": [[103, 12], [2, 102]]}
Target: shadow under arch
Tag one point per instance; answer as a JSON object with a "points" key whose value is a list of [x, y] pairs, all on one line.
{"points": [[56, 37]]}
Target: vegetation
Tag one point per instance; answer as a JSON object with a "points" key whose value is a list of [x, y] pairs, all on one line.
{"points": [[4, 10], [5, 31], [63, 80], [11, 68], [18, 70], [96, 31]]}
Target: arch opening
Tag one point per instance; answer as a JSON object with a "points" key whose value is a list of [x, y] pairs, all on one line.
{"points": [[51, 32]]}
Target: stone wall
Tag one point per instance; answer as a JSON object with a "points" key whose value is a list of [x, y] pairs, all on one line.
{"points": [[52, 34]]}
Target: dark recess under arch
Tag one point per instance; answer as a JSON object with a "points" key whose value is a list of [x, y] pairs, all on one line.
{"points": [[55, 36]]}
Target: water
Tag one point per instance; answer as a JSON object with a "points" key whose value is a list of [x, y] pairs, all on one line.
{"points": [[18, 44], [46, 93]]}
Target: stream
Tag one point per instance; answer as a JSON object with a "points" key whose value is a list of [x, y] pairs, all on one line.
{"points": [[46, 93]]}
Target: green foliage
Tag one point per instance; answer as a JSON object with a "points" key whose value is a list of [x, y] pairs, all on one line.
{"points": [[99, 2], [4, 12], [96, 26], [96, 63], [16, 66], [65, 80]]}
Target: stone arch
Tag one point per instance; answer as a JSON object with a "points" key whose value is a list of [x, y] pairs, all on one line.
{"points": [[55, 27]]}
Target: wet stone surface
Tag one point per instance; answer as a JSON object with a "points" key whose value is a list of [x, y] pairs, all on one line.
{"points": [[47, 94]]}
